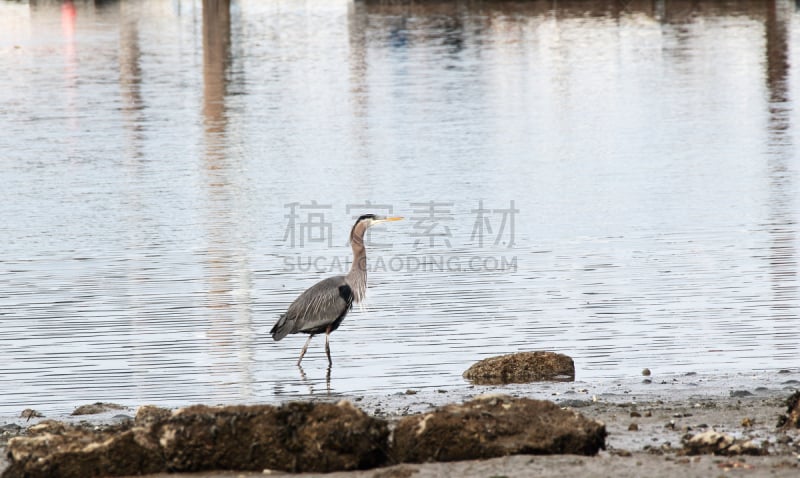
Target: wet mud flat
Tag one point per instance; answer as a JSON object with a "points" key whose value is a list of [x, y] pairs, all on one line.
{"points": [[647, 421]]}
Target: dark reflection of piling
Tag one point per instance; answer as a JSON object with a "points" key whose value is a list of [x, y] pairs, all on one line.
{"points": [[130, 81], [780, 148], [359, 86], [666, 11], [216, 60], [226, 267]]}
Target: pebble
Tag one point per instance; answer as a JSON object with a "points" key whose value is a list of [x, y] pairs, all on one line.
{"points": [[572, 403], [646, 372], [740, 393], [633, 427], [121, 418]]}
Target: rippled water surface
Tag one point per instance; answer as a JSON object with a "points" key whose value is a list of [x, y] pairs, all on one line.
{"points": [[616, 181]]}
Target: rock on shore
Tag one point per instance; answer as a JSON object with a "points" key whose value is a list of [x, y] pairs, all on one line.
{"points": [[792, 417], [313, 437], [492, 426], [298, 437], [522, 367]]}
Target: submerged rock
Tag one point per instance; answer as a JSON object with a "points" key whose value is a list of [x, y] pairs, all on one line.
{"points": [[792, 417], [95, 408], [299, 437], [715, 443], [522, 367], [493, 426]]}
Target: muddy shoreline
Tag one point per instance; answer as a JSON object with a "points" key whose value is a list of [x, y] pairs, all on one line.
{"points": [[646, 419]]}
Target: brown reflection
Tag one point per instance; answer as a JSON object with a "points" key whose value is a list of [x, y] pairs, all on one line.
{"points": [[130, 81], [216, 59], [226, 266], [781, 225], [359, 85]]}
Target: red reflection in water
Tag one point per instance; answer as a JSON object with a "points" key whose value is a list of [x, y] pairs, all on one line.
{"points": [[68, 15]]}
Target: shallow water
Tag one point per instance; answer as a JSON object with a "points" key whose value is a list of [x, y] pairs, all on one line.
{"points": [[151, 153]]}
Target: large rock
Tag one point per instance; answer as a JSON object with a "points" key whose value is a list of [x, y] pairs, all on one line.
{"points": [[57, 450], [299, 437], [792, 417], [492, 426], [522, 367]]}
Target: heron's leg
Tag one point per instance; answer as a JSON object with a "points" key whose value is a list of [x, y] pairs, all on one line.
{"points": [[305, 347], [328, 346]]}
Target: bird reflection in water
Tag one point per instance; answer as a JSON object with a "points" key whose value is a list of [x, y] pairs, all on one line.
{"points": [[304, 379]]}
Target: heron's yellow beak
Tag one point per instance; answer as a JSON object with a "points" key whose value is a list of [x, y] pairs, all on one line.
{"points": [[395, 218]]}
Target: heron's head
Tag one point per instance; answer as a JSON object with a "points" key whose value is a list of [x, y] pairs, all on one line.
{"points": [[368, 220]]}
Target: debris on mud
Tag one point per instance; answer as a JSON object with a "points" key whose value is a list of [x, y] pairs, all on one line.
{"points": [[492, 426], [792, 417], [714, 443], [29, 413], [522, 367]]}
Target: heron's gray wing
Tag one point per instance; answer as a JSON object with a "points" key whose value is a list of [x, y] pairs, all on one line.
{"points": [[323, 304]]}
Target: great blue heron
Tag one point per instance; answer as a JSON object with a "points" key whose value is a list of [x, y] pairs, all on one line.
{"points": [[323, 306]]}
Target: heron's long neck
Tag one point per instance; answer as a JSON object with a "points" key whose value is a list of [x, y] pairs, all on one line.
{"points": [[357, 277]]}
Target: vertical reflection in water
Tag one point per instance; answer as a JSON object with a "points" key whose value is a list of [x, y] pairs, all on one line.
{"points": [[781, 223], [130, 79], [359, 90], [227, 271], [68, 20]]}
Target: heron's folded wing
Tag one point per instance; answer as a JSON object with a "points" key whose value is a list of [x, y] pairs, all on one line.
{"points": [[320, 305]]}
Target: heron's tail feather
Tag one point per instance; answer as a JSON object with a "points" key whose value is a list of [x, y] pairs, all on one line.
{"points": [[281, 329]]}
